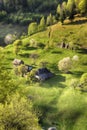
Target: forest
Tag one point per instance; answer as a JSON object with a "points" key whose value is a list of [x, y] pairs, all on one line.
{"points": [[43, 64]]}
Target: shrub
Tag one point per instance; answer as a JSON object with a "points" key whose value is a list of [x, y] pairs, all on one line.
{"points": [[22, 70], [83, 81], [84, 78], [75, 58], [74, 83], [65, 64], [31, 76], [17, 114], [9, 38]]}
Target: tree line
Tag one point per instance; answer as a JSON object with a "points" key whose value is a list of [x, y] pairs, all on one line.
{"points": [[25, 12], [30, 5], [70, 8]]}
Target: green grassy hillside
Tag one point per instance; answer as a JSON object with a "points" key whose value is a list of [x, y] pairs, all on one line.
{"points": [[74, 33], [57, 101]]}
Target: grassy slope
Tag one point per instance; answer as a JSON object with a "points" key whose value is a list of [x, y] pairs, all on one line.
{"points": [[59, 103], [75, 32]]}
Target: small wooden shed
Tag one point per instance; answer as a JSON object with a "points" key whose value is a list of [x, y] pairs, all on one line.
{"points": [[17, 62]]}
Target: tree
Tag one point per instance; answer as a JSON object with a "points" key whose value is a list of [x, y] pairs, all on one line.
{"points": [[7, 84], [83, 6], [33, 28], [22, 70], [31, 76], [77, 5], [61, 11], [49, 20], [17, 46], [83, 81], [9, 38], [62, 16], [54, 20], [58, 9], [17, 114], [64, 6], [42, 24], [71, 9], [65, 64]]}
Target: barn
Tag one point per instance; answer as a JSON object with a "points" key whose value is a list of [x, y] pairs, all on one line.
{"points": [[43, 74]]}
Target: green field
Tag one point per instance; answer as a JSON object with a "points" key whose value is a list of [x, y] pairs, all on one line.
{"points": [[58, 102]]}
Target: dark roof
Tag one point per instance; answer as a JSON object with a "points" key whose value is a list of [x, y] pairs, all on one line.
{"points": [[42, 71], [43, 74]]}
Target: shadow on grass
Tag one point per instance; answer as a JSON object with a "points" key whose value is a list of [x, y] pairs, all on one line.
{"points": [[31, 48], [11, 59], [77, 73], [56, 52], [85, 64], [54, 68], [82, 51], [55, 81], [26, 55], [77, 22]]}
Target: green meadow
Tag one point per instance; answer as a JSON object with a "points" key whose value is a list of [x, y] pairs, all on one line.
{"points": [[55, 100]]}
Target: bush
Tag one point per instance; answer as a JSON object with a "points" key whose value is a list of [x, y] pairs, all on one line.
{"points": [[74, 83], [9, 38], [17, 114], [75, 58], [31, 76], [83, 81], [22, 70], [84, 78], [65, 64]]}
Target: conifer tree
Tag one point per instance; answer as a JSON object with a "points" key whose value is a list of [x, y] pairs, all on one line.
{"points": [[49, 20], [42, 24], [33, 28], [58, 9], [71, 9], [83, 6]]}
